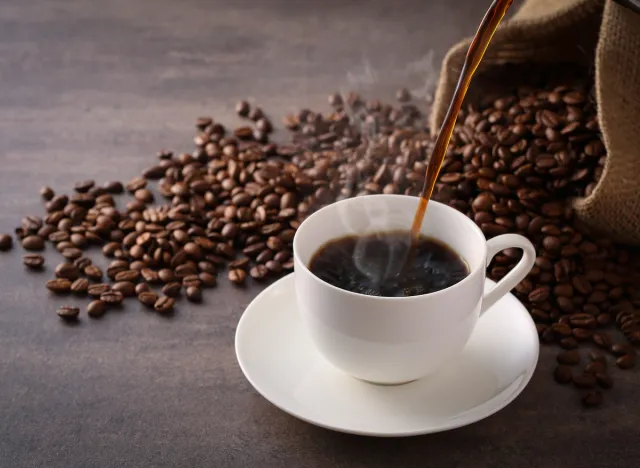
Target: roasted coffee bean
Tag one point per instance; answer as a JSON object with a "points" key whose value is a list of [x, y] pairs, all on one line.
{"points": [[282, 256], [256, 114], [71, 253], [31, 224], [207, 280], [93, 272], [126, 288], [243, 108], [582, 334], [128, 275], [96, 308], [207, 267], [603, 320], [602, 340], [149, 275], [68, 313], [193, 250], [592, 399], [584, 380], [96, 290], [569, 343], [144, 195], [47, 193], [114, 187], [583, 321], [112, 297], [237, 276], [604, 380], [68, 271], [273, 266], [191, 280], [626, 361], [621, 349], [6, 242], [172, 289], [561, 330], [596, 367], [540, 294], [33, 243], [164, 305], [259, 272], [33, 261], [59, 285], [84, 186], [155, 172], [185, 270], [225, 251], [240, 263], [570, 358], [166, 275], [193, 293], [147, 298], [141, 287], [80, 286], [135, 184]]}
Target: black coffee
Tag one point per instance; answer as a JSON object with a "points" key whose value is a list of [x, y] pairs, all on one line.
{"points": [[384, 264]]}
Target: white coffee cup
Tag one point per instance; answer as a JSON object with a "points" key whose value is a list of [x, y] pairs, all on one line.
{"points": [[393, 340]]}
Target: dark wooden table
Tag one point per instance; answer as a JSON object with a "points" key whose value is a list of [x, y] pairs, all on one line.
{"points": [[93, 90]]}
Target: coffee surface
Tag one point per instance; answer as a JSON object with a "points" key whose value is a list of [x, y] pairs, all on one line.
{"points": [[386, 264]]}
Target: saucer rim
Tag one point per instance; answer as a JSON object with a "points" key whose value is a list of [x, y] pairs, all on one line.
{"points": [[442, 428]]}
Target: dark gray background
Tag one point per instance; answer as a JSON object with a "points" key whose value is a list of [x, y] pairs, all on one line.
{"points": [[93, 90]]}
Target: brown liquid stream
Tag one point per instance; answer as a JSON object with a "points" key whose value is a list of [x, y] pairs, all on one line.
{"points": [[476, 51]]}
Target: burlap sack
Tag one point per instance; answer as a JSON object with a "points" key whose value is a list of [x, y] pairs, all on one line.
{"points": [[579, 31]]}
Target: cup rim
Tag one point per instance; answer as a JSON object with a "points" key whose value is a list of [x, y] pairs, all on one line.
{"points": [[472, 272]]}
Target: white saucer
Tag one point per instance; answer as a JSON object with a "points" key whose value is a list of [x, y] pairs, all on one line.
{"points": [[282, 364]]}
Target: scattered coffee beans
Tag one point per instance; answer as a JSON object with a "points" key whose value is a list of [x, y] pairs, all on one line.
{"points": [[33, 243], [59, 285], [96, 308], [233, 203], [126, 288], [172, 289], [193, 294], [68, 271], [6, 242], [47, 193], [93, 272], [148, 298], [33, 261], [626, 362], [164, 304], [237, 276], [68, 313], [80, 286], [141, 287], [112, 297], [97, 290]]}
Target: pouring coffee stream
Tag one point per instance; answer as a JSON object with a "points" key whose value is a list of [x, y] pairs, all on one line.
{"points": [[476, 51]]}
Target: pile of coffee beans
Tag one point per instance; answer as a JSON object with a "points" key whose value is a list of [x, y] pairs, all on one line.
{"points": [[232, 205], [516, 163]]}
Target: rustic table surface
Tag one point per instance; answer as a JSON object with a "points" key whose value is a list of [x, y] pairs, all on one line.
{"points": [[91, 90]]}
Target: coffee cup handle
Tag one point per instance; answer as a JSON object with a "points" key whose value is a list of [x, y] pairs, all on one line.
{"points": [[517, 274]]}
